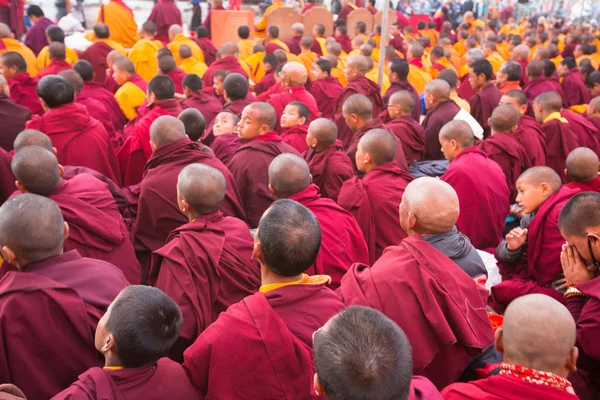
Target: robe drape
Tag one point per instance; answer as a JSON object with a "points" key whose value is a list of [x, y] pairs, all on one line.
{"points": [[561, 139], [533, 139], [575, 90], [404, 85], [23, 92], [208, 105], [164, 14], [296, 137], [96, 55], [229, 63], [330, 168], [411, 135], [36, 35], [121, 23], [12, 120], [326, 93], [483, 104], [434, 120]]}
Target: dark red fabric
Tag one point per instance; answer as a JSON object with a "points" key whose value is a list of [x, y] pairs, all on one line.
{"points": [[206, 22], [23, 92], [290, 94], [99, 112], [208, 105], [293, 44], [307, 7], [264, 96], [98, 92], [587, 132], [524, 80], [139, 82], [404, 85], [396, 43], [208, 49], [465, 91], [266, 82], [53, 68], [12, 120], [36, 35], [483, 104], [575, 90], [326, 92], [533, 139], [590, 186], [7, 179], [270, 48], [594, 120], [482, 210], [330, 168], [447, 324], [344, 12], [229, 63], [561, 139], [345, 42], [412, 136], [110, 84], [536, 87], [225, 146], [434, 120], [296, 137], [164, 14], [177, 76], [96, 55]]}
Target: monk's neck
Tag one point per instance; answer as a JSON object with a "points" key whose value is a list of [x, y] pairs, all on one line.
{"points": [[268, 277]]}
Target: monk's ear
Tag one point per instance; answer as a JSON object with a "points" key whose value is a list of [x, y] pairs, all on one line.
{"points": [[257, 252], [489, 122], [110, 344], [67, 230], [311, 179], [9, 255], [546, 189], [499, 340], [571, 362], [566, 172], [153, 146], [20, 187], [272, 190], [317, 385], [61, 170], [55, 151]]}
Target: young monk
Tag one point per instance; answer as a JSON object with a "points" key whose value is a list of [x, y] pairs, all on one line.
{"points": [[226, 140], [325, 88], [440, 110], [269, 64], [451, 78], [58, 55], [190, 64], [48, 286], [398, 77], [134, 335], [271, 331], [227, 58], [307, 57], [294, 125], [178, 39], [195, 126], [132, 88], [576, 94], [97, 53], [529, 257], [455, 329], [168, 67], [400, 122], [143, 52], [198, 99], [582, 170], [206, 264], [22, 86], [487, 96]]}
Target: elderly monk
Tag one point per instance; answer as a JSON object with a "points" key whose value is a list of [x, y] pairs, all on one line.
{"points": [[561, 137], [329, 164], [9, 44], [158, 211], [582, 170], [400, 122], [36, 35], [293, 78], [504, 148], [12, 116], [22, 86], [208, 48], [325, 89], [451, 77], [164, 15], [97, 53], [177, 39], [293, 44], [448, 323], [487, 96], [120, 20], [132, 88], [271, 330], [482, 212], [549, 354], [356, 68], [418, 76], [54, 34], [342, 242], [84, 140], [137, 150], [509, 77], [44, 284], [143, 52], [536, 82], [210, 251], [249, 164], [529, 258], [58, 55], [465, 90], [168, 67], [227, 58], [189, 64], [199, 99], [97, 229], [576, 93], [398, 77], [440, 110], [374, 198]]}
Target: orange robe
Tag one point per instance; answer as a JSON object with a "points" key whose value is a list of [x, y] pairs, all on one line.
{"points": [[307, 58], [418, 76], [257, 69], [496, 60], [180, 40], [143, 57], [15, 45], [43, 58], [120, 21], [192, 66]]}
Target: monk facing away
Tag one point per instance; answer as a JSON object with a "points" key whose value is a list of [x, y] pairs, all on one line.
{"points": [[13, 117], [22, 86], [227, 58], [400, 122], [416, 285], [206, 264], [58, 56], [582, 168], [97, 53], [143, 52], [537, 360], [324, 87], [165, 14], [440, 110], [47, 287], [199, 99], [261, 347]]}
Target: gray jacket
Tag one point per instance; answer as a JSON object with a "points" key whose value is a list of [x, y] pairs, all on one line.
{"points": [[506, 256]]}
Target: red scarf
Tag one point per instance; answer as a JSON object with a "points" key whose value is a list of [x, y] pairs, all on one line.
{"points": [[538, 377], [416, 62]]}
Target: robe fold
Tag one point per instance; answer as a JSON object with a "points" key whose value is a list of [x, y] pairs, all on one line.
{"points": [[293, 44], [267, 81], [465, 90], [229, 63], [290, 94], [439, 307], [249, 166], [561, 139], [193, 66], [575, 89], [225, 146], [434, 120], [143, 57], [418, 76], [43, 59], [411, 135], [96, 55], [177, 76], [12, 120], [95, 90], [345, 42], [164, 14], [587, 132], [533, 139], [208, 49], [53, 68], [326, 93], [36, 35], [483, 104], [296, 137], [330, 168], [205, 267], [374, 201], [7, 179], [97, 111], [589, 186], [23, 92], [120, 20], [180, 40], [536, 87], [421, 388], [404, 85], [208, 105], [131, 96]]}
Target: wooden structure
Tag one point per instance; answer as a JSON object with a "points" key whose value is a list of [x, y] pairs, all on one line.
{"points": [[224, 25]]}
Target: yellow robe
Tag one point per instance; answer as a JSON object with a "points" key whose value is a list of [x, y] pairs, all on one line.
{"points": [[373, 76], [193, 66], [180, 40], [15, 45], [130, 97], [261, 26], [375, 55], [503, 50], [557, 60], [307, 58], [454, 56], [460, 102], [143, 57], [43, 59], [418, 78], [323, 44], [594, 62], [256, 66], [496, 60], [122, 25], [355, 52], [114, 45], [425, 59], [460, 47], [246, 47], [280, 44], [338, 73], [463, 71], [377, 39]]}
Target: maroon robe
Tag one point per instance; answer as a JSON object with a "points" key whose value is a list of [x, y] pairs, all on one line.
{"points": [[561, 139], [98, 92], [404, 85], [290, 94], [345, 42], [293, 44], [12, 120], [110, 84], [208, 105], [208, 49], [439, 307], [557, 86], [507, 152], [396, 43], [82, 142], [587, 132], [344, 12], [524, 80], [97, 111], [575, 90], [266, 82], [326, 93], [594, 119], [7, 179], [316, 47], [483, 104], [206, 22], [53, 68], [465, 91], [162, 379], [225, 146], [36, 35], [164, 14], [96, 55], [296, 137], [177, 76], [205, 267], [342, 242], [362, 86], [434, 120], [264, 96], [533, 139], [590, 186], [229, 63], [536, 87], [484, 210], [330, 168], [271, 48], [374, 201], [23, 92], [411, 135], [158, 212]]}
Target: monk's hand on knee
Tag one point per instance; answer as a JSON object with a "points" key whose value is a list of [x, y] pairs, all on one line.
{"points": [[574, 266], [516, 238]]}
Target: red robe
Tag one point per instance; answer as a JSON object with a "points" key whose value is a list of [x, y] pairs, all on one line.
{"points": [[590, 186], [36, 35], [330, 168], [533, 139], [136, 150], [225, 147], [326, 92], [465, 91], [164, 14], [421, 388], [536, 87], [82, 142], [540, 265], [208, 105], [177, 76], [270, 48], [587, 132], [404, 85], [434, 120], [290, 94], [438, 306], [235, 107], [158, 213], [205, 267], [411, 135], [162, 379], [561, 139], [96, 55], [208, 49], [594, 120], [264, 96], [342, 242], [229, 63], [524, 80], [396, 43], [296, 137], [575, 90], [7, 179], [484, 210], [266, 82], [374, 201], [365, 87], [293, 44], [345, 11], [505, 149], [12, 120], [249, 166], [23, 92], [483, 104], [97, 111], [98, 92], [345, 42], [53, 68]]}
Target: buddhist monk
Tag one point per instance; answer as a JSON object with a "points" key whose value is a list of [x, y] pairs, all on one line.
{"points": [[97, 53], [272, 41], [428, 280], [54, 34], [440, 110], [508, 77], [549, 354], [58, 55], [504, 148], [97, 229], [195, 126], [593, 112], [270, 331], [576, 94], [168, 67], [189, 64], [487, 96], [399, 69], [293, 78], [227, 58], [418, 76], [269, 64], [307, 57], [165, 14], [22, 86], [325, 89], [36, 35], [132, 88], [561, 138], [293, 43], [120, 20], [226, 140], [143, 52], [12, 116], [400, 122], [177, 39], [465, 90], [529, 258], [134, 335], [552, 76], [210, 251], [199, 99], [438, 61], [7, 180], [209, 50], [356, 68], [10, 44], [45, 286], [582, 170], [536, 82], [451, 77], [294, 125], [587, 132]]}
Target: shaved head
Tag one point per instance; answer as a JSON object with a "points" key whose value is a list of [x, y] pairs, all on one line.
{"points": [[535, 176], [74, 78], [416, 50], [295, 72], [439, 89], [266, 112], [194, 123], [166, 129], [113, 56], [535, 69], [582, 164], [228, 49], [359, 62], [459, 131], [37, 170], [434, 204], [203, 187], [288, 175], [57, 51], [125, 65], [518, 95], [522, 52], [594, 107], [5, 31], [405, 99], [579, 214], [31, 137], [359, 105], [175, 30], [550, 101], [185, 51], [167, 64], [380, 145], [504, 118], [324, 131]]}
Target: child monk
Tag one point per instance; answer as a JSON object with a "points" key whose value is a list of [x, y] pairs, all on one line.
{"points": [[294, 124], [226, 139]]}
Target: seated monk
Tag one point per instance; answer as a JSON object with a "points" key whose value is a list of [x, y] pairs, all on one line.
{"points": [[195, 126], [593, 111], [189, 64], [9, 44], [83, 141], [143, 52], [356, 68], [164, 15], [227, 58], [504, 148], [137, 150], [552, 76], [269, 64], [549, 354], [509, 77], [363, 342], [337, 69], [134, 335], [418, 75], [294, 125], [342, 242], [246, 46], [270, 331], [366, 50], [439, 307], [576, 93], [400, 122], [168, 67], [482, 211], [464, 89], [491, 54], [97, 53], [22, 86], [529, 257], [326, 89], [374, 198], [582, 168], [54, 34], [487, 97], [199, 99], [206, 264], [440, 110], [329, 164], [109, 82], [44, 286], [561, 138], [203, 41], [178, 39], [58, 56], [249, 164], [398, 77], [12, 116], [451, 77], [537, 83], [120, 20], [272, 41], [439, 62], [307, 57], [587, 132], [97, 229], [7, 186], [226, 140], [158, 213], [293, 43], [132, 88]]}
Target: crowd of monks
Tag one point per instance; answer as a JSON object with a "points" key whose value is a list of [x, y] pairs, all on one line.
{"points": [[263, 220]]}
